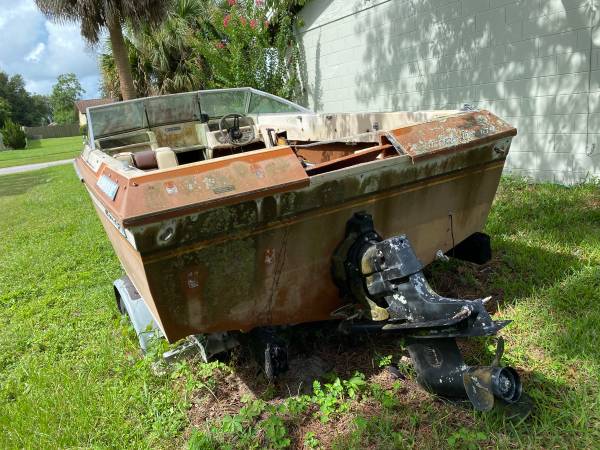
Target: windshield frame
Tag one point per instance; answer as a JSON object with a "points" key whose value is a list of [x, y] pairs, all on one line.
{"points": [[298, 109]]}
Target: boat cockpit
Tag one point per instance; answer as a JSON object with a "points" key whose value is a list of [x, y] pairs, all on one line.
{"points": [[168, 131]]}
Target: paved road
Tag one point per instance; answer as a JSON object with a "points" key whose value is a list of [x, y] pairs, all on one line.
{"points": [[29, 167]]}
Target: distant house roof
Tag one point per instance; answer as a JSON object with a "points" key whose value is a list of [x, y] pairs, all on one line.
{"points": [[82, 105]]}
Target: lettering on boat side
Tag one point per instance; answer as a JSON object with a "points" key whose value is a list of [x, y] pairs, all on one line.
{"points": [[172, 129], [115, 222], [108, 186]]}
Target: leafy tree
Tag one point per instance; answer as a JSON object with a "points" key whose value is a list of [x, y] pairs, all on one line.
{"points": [[5, 111], [244, 48], [64, 93], [169, 49], [43, 109], [25, 109], [13, 136], [95, 16]]}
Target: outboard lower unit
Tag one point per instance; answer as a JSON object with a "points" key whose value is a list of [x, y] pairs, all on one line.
{"points": [[384, 279]]}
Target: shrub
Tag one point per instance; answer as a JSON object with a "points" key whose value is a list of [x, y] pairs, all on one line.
{"points": [[13, 136]]}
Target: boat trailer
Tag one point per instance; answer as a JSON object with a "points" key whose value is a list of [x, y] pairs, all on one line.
{"points": [[386, 291]]}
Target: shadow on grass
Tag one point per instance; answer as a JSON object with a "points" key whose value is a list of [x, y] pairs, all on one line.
{"points": [[563, 288], [567, 214], [514, 272], [20, 183]]}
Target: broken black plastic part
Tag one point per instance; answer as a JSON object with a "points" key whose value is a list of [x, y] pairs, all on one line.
{"points": [[385, 278], [476, 248], [387, 274], [276, 360]]}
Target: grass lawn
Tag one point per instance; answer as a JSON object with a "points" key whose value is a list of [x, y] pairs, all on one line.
{"points": [[71, 374], [43, 150]]}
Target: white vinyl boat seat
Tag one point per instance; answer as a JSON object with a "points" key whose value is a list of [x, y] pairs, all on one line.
{"points": [[165, 158], [161, 158]]}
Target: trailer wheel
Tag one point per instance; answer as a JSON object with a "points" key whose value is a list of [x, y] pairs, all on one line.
{"points": [[120, 303]]}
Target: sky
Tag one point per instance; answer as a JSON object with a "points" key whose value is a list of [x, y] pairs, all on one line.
{"points": [[41, 50]]}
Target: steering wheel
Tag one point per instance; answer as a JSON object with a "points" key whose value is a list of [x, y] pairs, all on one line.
{"points": [[233, 134]]}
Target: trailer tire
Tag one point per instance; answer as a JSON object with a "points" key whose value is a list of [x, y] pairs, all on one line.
{"points": [[120, 303]]}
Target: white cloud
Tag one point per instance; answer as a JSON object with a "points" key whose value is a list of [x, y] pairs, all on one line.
{"points": [[34, 55], [41, 50]]}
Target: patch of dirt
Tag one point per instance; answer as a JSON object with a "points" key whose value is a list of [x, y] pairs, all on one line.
{"points": [[462, 279], [225, 399], [592, 201], [314, 352]]}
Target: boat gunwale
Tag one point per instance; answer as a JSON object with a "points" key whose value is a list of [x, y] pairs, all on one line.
{"points": [[317, 179]]}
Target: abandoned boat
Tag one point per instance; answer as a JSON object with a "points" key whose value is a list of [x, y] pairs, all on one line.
{"points": [[235, 209]]}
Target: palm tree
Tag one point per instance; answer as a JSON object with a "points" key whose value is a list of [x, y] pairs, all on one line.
{"points": [[96, 15], [141, 71], [170, 48], [163, 58]]}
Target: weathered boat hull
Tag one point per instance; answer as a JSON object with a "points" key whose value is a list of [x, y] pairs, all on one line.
{"points": [[267, 260]]}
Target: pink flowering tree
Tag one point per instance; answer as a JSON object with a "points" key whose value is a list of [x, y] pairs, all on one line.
{"points": [[251, 45]]}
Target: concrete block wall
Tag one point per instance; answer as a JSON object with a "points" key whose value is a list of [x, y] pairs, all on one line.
{"points": [[535, 63]]}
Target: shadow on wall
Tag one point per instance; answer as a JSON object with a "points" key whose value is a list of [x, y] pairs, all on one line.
{"points": [[439, 58], [312, 86], [530, 64], [427, 56], [317, 90], [312, 90]]}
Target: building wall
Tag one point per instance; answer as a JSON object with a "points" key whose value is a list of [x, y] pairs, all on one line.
{"points": [[535, 63]]}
